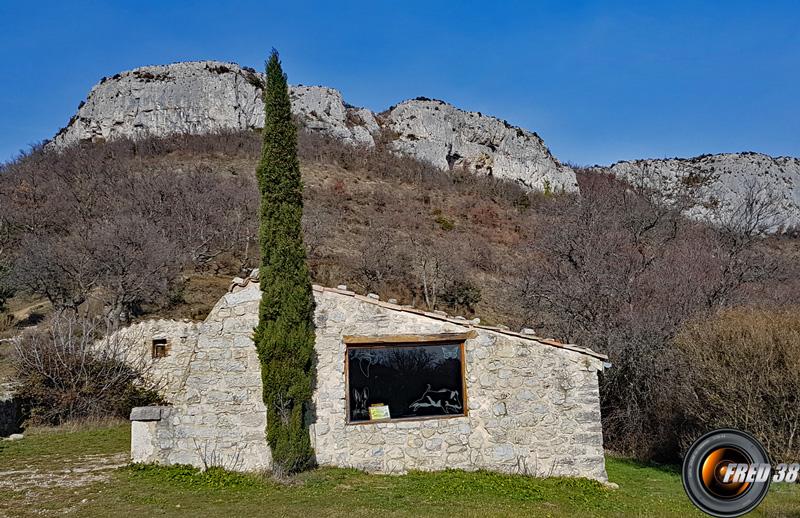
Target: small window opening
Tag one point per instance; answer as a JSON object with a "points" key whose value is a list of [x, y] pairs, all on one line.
{"points": [[159, 347]]}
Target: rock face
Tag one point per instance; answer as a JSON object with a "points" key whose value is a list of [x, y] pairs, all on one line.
{"points": [[200, 97], [322, 109], [447, 137], [209, 96], [533, 405], [724, 184]]}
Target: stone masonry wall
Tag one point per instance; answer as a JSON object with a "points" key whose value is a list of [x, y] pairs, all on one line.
{"points": [[533, 408], [168, 373], [218, 416]]}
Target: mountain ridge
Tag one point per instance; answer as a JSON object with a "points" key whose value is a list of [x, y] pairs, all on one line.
{"points": [[726, 185], [209, 96]]}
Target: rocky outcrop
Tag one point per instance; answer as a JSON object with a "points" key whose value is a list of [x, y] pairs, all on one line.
{"points": [[158, 100], [322, 109], [201, 97], [209, 96], [447, 137], [725, 185]]}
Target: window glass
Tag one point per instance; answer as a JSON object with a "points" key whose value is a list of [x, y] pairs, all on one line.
{"points": [[404, 381]]}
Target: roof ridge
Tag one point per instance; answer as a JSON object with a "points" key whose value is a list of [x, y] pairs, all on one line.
{"points": [[461, 322], [239, 283]]}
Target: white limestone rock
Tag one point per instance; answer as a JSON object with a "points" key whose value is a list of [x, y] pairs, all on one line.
{"points": [[208, 96], [448, 137], [722, 184], [323, 109], [202, 97]]}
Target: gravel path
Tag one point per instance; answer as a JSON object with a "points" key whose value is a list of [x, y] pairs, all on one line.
{"points": [[77, 472]]}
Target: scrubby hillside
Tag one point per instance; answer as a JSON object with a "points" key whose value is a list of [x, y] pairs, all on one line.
{"points": [[209, 96], [157, 226]]}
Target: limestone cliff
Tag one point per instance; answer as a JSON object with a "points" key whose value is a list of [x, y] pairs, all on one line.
{"points": [[200, 97], [442, 134], [208, 96], [728, 186]]}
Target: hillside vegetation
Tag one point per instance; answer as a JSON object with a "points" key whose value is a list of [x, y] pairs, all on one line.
{"points": [[155, 227]]}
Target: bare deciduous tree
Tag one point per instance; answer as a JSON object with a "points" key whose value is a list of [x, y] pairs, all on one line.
{"points": [[69, 371], [620, 273]]}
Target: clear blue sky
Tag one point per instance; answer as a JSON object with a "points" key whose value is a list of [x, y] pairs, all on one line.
{"points": [[599, 81]]}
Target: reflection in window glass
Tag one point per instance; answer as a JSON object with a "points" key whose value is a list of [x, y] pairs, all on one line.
{"points": [[412, 380]]}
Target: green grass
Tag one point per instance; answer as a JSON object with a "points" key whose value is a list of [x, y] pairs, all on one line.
{"points": [[144, 491], [43, 445]]}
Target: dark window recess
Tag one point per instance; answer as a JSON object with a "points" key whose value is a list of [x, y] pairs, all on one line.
{"points": [[159, 347], [413, 380]]}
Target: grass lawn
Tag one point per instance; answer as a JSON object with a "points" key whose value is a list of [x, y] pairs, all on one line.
{"points": [[83, 472]]}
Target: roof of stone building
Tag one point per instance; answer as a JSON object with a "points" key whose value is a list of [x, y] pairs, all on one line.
{"points": [[526, 334]]}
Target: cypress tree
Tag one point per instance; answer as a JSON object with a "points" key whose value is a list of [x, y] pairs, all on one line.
{"points": [[284, 337]]}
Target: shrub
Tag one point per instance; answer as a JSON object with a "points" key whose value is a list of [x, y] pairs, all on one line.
{"points": [[547, 189], [461, 294], [66, 371], [444, 223], [743, 367], [6, 287]]}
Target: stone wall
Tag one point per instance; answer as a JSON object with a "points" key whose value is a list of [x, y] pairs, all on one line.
{"points": [[533, 405], [168, 373], [218, 416]]}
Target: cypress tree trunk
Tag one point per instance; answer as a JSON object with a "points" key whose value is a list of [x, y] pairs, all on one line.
{"points": [[284, 337]]}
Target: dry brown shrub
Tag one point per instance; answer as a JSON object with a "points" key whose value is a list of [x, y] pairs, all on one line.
{"points": [[77, 368], [743, 371]]}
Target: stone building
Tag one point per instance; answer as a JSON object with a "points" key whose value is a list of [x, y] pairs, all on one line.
{"points": [[397, 389], [161, 349]]}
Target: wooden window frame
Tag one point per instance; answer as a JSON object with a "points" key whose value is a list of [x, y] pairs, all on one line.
{"points": [[392, 341]]}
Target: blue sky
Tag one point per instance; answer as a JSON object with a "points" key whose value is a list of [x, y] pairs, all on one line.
{"points": [[599, 81]]}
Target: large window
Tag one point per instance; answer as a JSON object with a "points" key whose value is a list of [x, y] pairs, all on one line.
{"points": [[405, 380]]}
